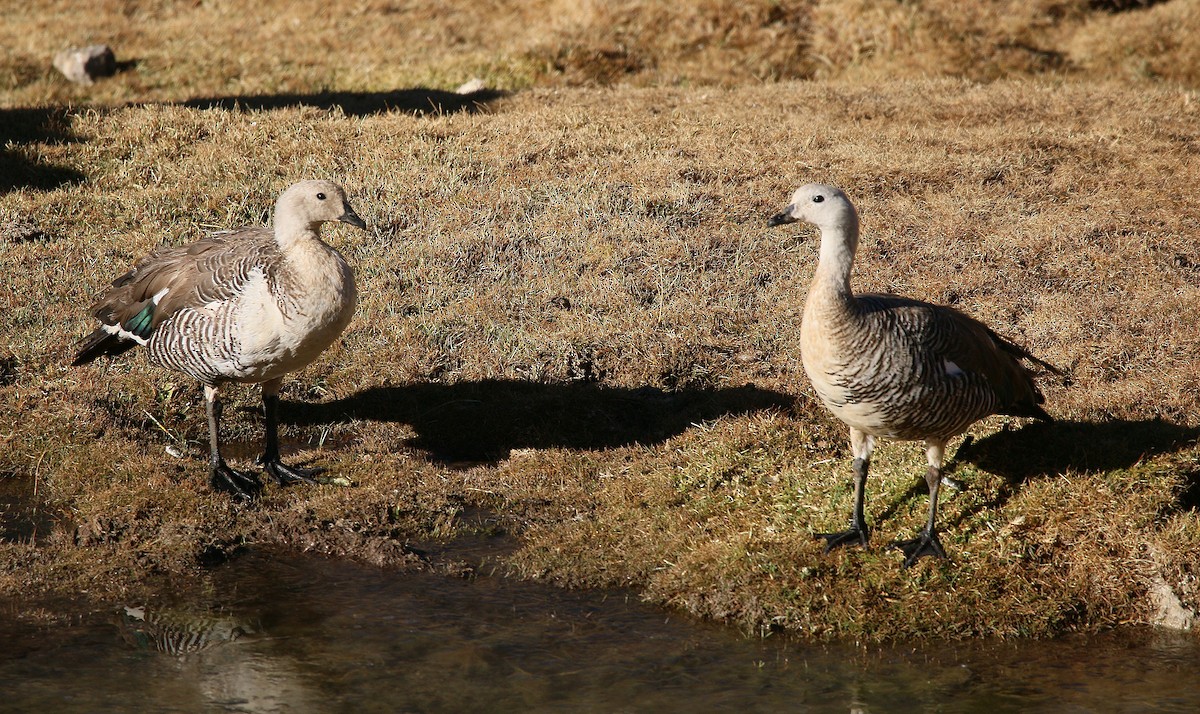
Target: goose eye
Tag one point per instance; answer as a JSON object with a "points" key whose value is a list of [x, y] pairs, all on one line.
{"points": [[818, 198], [320, 197]]}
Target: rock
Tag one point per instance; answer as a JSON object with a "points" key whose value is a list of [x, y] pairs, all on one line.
{"points": [[84, 64], [1169, 611], [471, 86]]}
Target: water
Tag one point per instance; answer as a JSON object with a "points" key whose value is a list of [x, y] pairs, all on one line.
{"points": [[273, 632]]}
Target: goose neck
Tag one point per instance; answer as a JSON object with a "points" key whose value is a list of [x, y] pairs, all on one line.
{"points": [[292, 233], [836, 261]]}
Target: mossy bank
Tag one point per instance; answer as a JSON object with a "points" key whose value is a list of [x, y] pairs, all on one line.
{"points": [[575, 329]]}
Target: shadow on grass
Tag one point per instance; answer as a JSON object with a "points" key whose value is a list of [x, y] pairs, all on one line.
{"points": [[53, 126], [1044, 449], [1051, 448], [419, 100], [482, 421], [33, 126], [23, 516]]}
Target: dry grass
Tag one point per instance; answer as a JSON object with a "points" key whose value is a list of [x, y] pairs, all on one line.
{"points": [[574, 317], [175, 50]]}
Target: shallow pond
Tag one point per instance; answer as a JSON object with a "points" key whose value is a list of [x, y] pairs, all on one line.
{"points": [[275, 632]]}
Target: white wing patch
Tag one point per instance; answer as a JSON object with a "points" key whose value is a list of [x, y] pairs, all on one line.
{"points": [[127, 335], [123, 334]]}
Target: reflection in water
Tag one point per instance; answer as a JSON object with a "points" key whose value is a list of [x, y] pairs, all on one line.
{"points": [[211, 665], [301, 634], [178, 632]]}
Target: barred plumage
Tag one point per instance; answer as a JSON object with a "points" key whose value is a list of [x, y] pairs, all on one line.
{"points": [[178, 632], [248, 305], [897, 368]]}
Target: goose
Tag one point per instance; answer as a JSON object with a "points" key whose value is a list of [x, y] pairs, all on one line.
{"points": [[895, 368], [248, 305]]}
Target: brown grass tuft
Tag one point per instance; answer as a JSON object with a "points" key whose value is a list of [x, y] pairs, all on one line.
{"points": [[716, 41], [282, 52], [1154, 43]]}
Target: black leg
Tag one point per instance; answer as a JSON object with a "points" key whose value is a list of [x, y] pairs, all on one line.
{"points": [[242, 486], [283, 474], [858, 533], [926, 543]]}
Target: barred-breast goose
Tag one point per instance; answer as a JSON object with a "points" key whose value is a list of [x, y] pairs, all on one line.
{"points": [[248, 305], [895, 368]]}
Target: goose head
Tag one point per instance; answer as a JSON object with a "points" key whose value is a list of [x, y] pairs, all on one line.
{"points": [[827, 208], [308, 204]]}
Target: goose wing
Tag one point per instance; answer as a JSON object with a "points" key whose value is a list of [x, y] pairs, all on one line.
{"points": [[950, 342], [213, 269]]}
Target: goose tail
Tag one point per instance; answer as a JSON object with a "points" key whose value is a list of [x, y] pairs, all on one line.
{"points": [[101, 342], [1021, 353], [1029, 411]]}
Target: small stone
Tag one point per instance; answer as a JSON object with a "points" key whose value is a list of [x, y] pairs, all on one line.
{"points": [[953, 484], [1169, 610], [335, 481], [471, 86], [83, 65]]}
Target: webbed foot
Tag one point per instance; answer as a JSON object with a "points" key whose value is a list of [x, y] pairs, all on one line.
{"points": [[925, 544], [853, 536], [239, 484], [285, 475]]}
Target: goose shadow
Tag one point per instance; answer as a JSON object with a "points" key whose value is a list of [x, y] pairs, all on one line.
{"points": [[34, 126], [1043, 449], [417, 100], [482, 421], [1051, 449]]}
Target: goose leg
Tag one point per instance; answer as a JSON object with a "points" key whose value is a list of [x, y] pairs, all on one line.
{"points": [[927, 542], [862, 444], [283, 474], [242, 486]]}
